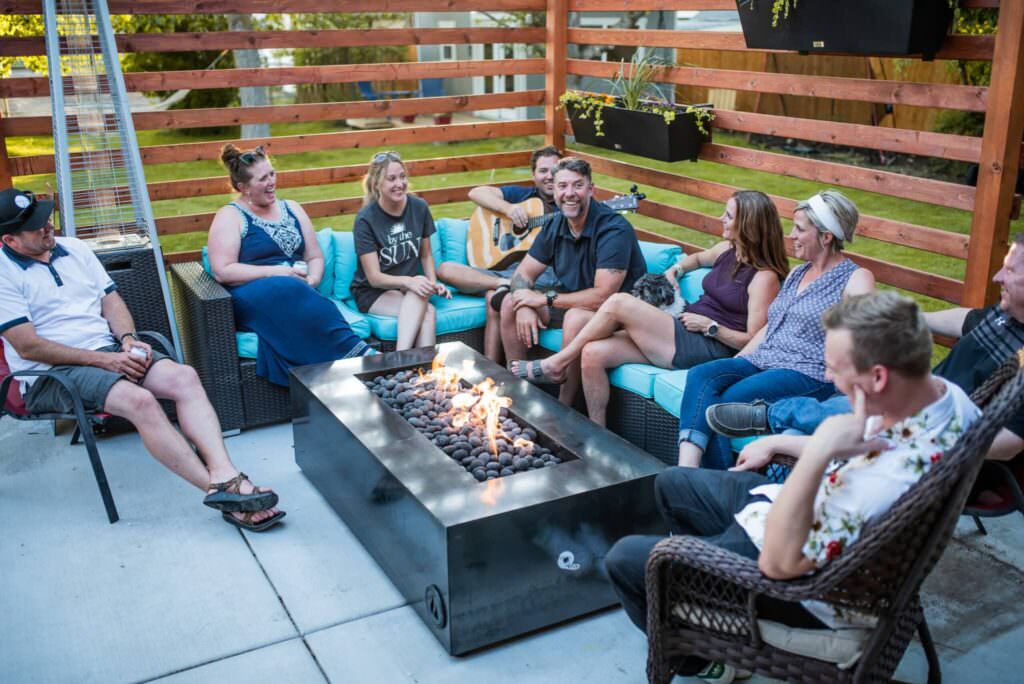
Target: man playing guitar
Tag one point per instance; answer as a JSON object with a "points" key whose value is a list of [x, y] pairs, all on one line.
{"points": [[504, 200]]}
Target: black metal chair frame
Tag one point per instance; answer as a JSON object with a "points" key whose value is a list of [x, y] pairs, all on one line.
{"points": [[84, 420]]}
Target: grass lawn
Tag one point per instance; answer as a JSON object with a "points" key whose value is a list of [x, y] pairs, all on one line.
{"points": [[869, 203]]}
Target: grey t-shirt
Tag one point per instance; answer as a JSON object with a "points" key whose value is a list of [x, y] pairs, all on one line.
{"points": [[395, 239]]}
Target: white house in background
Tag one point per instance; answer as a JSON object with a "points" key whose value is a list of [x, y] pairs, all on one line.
{"points": [[481, 85]]}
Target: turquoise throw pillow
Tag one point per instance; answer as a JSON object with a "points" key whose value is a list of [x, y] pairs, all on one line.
{"points": [[345, 262], [659, 256], [452, 234], [324, 238]]}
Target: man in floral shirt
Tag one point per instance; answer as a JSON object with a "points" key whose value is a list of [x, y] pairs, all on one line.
{"points": [[851, 471]]}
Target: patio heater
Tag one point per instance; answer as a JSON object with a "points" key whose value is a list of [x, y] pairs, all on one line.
{"points": [[101, 188]]}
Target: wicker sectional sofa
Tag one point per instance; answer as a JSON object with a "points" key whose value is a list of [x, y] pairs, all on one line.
{"points": [[645, 399]]}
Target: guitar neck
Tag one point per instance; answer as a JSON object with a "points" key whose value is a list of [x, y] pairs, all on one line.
{"points": [[538, 220]]}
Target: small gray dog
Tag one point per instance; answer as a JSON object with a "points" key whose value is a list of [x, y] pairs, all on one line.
{"points": [[655, 289]]}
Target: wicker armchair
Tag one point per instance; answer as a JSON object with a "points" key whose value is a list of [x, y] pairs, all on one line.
{"points": [[701, 598]]}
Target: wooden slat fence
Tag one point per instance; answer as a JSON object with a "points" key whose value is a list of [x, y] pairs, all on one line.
{"points": [[991, 205]]}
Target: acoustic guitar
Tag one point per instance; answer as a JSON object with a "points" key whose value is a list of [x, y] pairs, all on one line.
{"points": [[494, 242]]}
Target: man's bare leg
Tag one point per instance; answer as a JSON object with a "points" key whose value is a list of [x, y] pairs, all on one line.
{"points": [[468, 279], [574, 321], [492, 331], [139, 405]]}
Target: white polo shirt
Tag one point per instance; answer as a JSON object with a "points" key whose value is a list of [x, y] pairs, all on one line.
{"points": [[61, 299]]}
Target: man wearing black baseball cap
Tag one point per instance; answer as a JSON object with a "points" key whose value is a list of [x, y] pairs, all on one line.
{"points": [[60, 310]]}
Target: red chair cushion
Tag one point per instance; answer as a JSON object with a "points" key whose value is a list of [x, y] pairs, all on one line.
{"points": [[13, 401]]}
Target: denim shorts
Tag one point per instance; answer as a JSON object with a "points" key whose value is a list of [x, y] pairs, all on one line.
{"points": [[47, 395]]}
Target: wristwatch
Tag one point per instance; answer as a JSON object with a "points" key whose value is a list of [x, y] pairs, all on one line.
{"points": [[552, 296], [712, 330]]}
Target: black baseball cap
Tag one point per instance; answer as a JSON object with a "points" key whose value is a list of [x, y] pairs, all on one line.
{"points": [[20, 211]]}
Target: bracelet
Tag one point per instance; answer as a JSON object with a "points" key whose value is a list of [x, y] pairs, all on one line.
{"points": [[135, 337]]}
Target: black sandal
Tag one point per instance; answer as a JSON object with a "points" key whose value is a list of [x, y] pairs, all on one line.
{"points": [[499, 295], [227, 497]]}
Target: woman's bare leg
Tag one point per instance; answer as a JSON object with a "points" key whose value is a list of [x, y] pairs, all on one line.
{"points": [[575, 320], [651, 329], [428, 329], [410, 309], [596, 359]]}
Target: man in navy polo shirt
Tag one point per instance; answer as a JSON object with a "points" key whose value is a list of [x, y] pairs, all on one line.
{"points": [[59, 310], [505, 200], [594, 253]]}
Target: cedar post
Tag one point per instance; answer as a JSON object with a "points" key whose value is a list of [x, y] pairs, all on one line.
{"points": [[555, 55], [6, 179], [1000, 158]]}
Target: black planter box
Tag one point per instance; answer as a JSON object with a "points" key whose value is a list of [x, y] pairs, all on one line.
{"points": [[643, 133], [480, 562], [859, 27]]}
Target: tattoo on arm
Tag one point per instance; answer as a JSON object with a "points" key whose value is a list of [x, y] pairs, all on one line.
{"points": [[520, 282]]}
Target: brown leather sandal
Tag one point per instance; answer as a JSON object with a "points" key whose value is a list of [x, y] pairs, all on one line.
{"points": [[246, 522], [227, 496]]}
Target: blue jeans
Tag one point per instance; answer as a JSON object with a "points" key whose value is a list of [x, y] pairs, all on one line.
{"points": [[804, 414], [735, 379]]}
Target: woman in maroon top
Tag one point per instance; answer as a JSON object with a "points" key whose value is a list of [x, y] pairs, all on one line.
{"points": [[747, 268]]}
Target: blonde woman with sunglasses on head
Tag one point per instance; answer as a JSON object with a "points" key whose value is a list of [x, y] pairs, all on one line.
{"points": [[396, 274], [264, 251]]}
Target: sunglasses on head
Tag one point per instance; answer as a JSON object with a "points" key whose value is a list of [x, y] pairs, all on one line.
{"points": [[250, 158], [18, 218], [386, 156]]}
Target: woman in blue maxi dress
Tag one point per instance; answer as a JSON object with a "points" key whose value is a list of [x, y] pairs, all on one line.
{"points": [[264, 251]]}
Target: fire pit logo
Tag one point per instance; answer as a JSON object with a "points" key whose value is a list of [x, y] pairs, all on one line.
{"points": [[567, 561]]}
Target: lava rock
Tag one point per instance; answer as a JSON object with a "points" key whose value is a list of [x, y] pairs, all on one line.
{"points": [[461, 454], [480, 474], [493, 465], [505, 472]]}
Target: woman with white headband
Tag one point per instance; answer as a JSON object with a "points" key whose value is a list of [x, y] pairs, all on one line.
{"points": [[787, 357]]}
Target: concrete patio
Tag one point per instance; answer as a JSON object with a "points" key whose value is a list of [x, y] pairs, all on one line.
{"points": [[173, 594]]}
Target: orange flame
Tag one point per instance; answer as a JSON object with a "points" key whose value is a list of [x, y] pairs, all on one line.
{"points": [[523, 443]]}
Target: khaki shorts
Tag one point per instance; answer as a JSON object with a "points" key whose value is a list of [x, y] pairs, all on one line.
{"points": [[47, 395]]}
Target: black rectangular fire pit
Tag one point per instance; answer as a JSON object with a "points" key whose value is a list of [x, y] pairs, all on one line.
{"points": [[480, 561]]}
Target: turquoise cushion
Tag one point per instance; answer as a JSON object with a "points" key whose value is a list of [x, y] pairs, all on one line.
{"points": [[206, 260], [324, 239], [659, 256], [638, 378], [344, 264], [668, 390], [247, 343], [691, 284], [551, 339], [452, 234], [668, 393], [460, 313]]}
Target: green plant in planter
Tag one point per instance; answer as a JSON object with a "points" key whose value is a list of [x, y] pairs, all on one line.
{"points": [[633, 89], [782, 8]]}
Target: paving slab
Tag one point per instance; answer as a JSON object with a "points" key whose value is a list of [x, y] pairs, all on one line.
{"points": [[289, 662], [396, 647], [169, 586], [320, 570]]}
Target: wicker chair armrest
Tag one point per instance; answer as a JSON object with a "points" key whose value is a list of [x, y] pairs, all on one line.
{"points": [[206, 318], [784, 459], [724, 566]]}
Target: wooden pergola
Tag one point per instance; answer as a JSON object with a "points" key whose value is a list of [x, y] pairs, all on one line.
{"points": [[998, 152]]}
